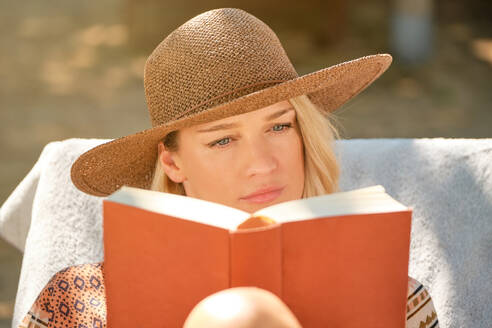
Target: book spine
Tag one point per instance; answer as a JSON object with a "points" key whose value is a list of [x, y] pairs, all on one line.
{"points": [[256, 258]]}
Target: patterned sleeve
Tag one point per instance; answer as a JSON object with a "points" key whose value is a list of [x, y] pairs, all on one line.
{"points": [[420, 309], [74, 297]]}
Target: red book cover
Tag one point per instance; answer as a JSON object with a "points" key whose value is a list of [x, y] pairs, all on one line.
{"points": [[347, 270]]}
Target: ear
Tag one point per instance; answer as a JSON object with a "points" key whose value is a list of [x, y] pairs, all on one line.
{"points": [[169, 163]]}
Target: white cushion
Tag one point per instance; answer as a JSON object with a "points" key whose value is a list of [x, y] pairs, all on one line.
{"points": [[448, 182]]}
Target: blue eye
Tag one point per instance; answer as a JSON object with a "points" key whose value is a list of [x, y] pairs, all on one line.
{"points": [[224, 141], [220, 142], [281, 127]]}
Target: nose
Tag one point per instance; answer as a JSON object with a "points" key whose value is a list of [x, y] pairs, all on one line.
{"points": [[260, 158]]}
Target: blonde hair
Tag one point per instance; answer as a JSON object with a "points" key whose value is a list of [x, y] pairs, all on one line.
{"points": [[321, 169]]}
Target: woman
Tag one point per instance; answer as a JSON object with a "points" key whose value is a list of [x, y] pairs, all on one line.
{"points": [[232, 123]]}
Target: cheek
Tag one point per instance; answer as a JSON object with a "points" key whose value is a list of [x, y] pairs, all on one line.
{"points": [[290, 156], [290, 151], [208, 175]]}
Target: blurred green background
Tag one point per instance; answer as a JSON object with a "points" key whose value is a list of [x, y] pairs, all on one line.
{"points": [[74, 69]]}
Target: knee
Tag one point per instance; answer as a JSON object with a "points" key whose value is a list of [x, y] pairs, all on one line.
{"points": [[242, 307]]}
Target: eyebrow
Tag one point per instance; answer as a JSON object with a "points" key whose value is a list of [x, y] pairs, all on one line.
{"points": [[278, 114], [220, 127], [226, 126]]}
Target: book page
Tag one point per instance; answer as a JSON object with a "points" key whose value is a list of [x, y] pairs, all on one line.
{"points": [[183, 207], [372, 199]]}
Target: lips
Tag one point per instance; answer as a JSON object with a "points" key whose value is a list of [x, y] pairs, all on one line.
{"points": [[263, 195]]}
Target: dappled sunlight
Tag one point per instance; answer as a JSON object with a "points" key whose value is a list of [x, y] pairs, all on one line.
{"points": [[96, 35], [6, 310], [84, 57], [68, 68], [30, 27], [137, 66], [39, 27], [114, 77], [58, 76], [482, 48]]}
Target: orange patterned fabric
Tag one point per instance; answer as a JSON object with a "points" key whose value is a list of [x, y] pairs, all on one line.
{"points": [[420, 309], [75, 297]]}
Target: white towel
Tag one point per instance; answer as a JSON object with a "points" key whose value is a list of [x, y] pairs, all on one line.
{"points": [[448, 182]]}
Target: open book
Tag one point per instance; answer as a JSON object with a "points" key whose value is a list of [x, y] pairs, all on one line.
{"points": [[337, 260]]}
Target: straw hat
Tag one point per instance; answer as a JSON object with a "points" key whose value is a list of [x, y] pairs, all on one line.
{"points": [[220, 63]]}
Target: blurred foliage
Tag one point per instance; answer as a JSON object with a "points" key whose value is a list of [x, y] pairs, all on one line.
{"points": [[149, 21]]}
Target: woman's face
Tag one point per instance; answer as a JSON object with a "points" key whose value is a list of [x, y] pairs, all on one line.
{"points": [[248, 161]]}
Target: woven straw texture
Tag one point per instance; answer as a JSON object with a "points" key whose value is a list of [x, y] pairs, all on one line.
{"points": [[221, 63]]}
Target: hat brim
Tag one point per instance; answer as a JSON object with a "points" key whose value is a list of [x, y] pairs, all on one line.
{"points": [[130, 160]]}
